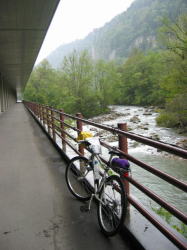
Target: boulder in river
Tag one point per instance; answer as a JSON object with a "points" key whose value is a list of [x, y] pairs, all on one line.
{"points": [[143, 126], [135, 119], [112, 138], [155, 136], [147, 113], [182, 143]]}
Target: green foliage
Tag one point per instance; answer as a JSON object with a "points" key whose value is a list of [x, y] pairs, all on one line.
{"points": [[140, 79], [167, 216], [168, 120], [175, 113], [80, 85], [174, 78], [163, 213], [182, 229]]}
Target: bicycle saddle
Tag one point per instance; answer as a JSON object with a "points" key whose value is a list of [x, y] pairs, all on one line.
{"points": [[120, 163]]}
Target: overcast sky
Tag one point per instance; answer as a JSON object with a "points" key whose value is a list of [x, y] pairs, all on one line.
{"points": [[74, 19]]}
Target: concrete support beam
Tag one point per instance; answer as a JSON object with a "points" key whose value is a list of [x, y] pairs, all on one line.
{"points": [[7, 95], [2, 94]]}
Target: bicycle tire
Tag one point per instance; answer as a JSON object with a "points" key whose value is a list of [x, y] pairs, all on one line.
{"points": [[77, 183], [112, 206]]}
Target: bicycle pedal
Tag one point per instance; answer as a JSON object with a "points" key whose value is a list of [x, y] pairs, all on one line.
{"points": [[84, 208]]}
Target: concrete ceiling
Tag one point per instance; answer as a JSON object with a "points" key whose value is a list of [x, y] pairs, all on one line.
{"points": [[23, 26]]}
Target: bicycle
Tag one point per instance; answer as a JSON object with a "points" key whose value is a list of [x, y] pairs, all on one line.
{"points": [[87, 182]]}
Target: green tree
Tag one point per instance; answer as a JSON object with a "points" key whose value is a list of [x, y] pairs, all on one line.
{"points": [[106, 82], [140, 79], [174, 79], [42, 84]]}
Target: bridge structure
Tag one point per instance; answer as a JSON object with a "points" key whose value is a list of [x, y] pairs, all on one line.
{"points": [[36, 209]]}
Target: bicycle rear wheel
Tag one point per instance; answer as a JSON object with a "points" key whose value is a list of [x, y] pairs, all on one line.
{"points": [[77, 178], [112, 206]]}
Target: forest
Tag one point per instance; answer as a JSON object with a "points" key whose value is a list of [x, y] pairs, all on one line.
{"points": [[152, 77]]}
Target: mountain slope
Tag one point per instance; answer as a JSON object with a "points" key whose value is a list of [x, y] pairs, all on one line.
{"points": [[134, 28]]}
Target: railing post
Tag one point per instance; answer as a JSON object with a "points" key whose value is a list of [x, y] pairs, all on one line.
{"points": [[44, 115], [62, 118], [80, 127], [53, 125], [34, 108], [40, 112], [48, 120], [123, 146], [37, 110]]}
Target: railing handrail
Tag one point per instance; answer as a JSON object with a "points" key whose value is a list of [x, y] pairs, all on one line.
{"points": [[170, 148], [45, 115]]}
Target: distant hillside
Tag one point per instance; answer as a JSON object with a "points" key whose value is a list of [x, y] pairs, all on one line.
{"points": [[135, 28]]}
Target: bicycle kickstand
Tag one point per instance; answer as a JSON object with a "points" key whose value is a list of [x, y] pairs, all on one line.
{"points": [[87, 207]]}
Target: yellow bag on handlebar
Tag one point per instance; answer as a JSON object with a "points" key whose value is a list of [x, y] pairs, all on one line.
{"points": [[84, 135]]}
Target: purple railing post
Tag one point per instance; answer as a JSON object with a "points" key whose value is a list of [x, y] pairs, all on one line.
{"points": [[123, 146], [80, 127], [62, 118]]}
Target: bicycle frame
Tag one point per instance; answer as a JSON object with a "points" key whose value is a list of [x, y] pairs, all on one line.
{"points": [[98, 185]]}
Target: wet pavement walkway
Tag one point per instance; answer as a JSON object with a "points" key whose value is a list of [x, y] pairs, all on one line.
{"points": [[36, 209]]}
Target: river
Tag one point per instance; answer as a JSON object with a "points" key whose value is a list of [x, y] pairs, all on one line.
{"points": [[142, 121]]}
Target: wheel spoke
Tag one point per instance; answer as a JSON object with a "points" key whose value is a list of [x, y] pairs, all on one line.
{"points": [[112, 207], [76, 178]]}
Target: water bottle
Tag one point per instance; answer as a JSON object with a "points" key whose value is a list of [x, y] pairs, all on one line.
{"points": [[96, 170]]}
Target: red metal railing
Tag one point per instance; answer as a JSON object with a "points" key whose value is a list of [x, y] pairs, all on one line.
{"points": [[54, 122]]}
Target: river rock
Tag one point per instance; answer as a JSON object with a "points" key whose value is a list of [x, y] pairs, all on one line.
{"points": [[108, 117], [182, 143], [135, 144], [135, 119], [101, 133], [93, 129], [155, 137], [125, 114], [112, 138], [147, 113], [143, 126]]}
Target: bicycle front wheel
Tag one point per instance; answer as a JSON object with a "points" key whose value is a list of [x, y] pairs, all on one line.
{"points": [[77, 173], [112, 206]]}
